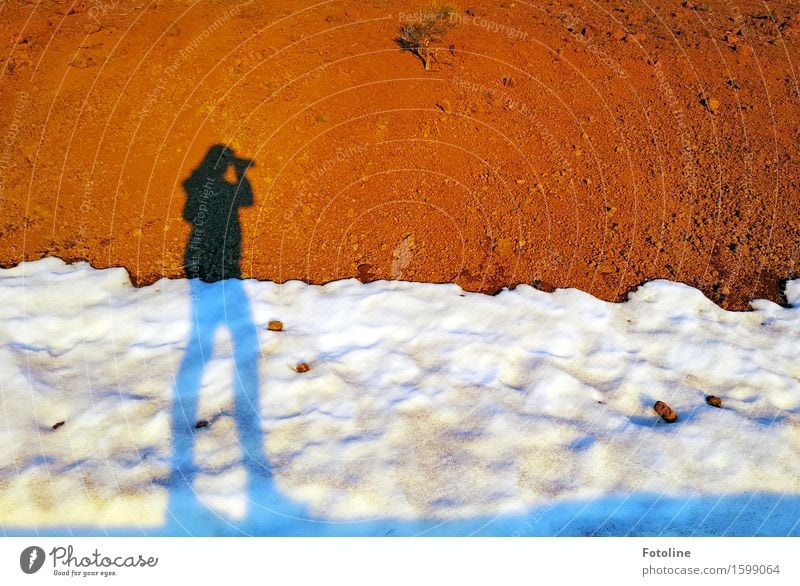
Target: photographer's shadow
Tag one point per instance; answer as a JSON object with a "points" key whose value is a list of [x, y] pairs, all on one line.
{"points": [[215, 191]]}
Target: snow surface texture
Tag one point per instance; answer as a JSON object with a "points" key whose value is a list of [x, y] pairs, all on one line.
{"points": [[426, 410]]}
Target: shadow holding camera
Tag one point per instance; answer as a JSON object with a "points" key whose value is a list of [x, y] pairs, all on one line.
{"points": [[215, 192]]}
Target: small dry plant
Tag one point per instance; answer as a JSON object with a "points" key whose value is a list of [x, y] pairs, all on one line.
{"points": [[431, 25]]}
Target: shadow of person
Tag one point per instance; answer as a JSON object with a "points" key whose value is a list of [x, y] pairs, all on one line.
{"points": [[215, 191]]}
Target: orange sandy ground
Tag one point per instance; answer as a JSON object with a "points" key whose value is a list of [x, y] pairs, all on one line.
{"points": [[567, 144]]}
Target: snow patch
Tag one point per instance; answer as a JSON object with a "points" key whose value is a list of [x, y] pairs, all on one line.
{"points": [[423, 403]]}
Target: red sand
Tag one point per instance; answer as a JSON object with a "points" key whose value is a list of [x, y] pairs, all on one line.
{"points": [[593, 147]]}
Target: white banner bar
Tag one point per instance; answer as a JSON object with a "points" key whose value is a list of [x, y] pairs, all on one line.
{"points": [[402, 561]]}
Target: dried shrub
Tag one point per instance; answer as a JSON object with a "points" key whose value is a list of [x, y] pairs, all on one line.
{"points": [[432, 24]]}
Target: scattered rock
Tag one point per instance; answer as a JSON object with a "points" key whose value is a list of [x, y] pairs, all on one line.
{"points": [[714, 401], [666, 412], [302, 367], [82, 61], [504, 247], [364, 272], [275, 326], [711, 104], [201, 423], [746, 52], [637, 38], [791, 26], [444, 106], [618, 35], [59, 424]]}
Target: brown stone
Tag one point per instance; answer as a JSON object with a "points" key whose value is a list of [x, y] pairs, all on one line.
{"points": [[82, 60], [714, 401], [201, 423], [666, 412], [302, 367], [275, 326]]}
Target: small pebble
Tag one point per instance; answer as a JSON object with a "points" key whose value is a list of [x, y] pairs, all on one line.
{"points": [[712, 104], [666, 412], [714, 401], [275, 326], [59, 424], [201, 423], [302, 367]]}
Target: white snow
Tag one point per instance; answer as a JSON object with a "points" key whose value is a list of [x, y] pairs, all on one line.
{"points": [[426, 409]]}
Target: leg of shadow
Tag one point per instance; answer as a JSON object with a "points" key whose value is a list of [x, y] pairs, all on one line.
{"points": [[268, 511], [215, 305], [183, 509]]}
